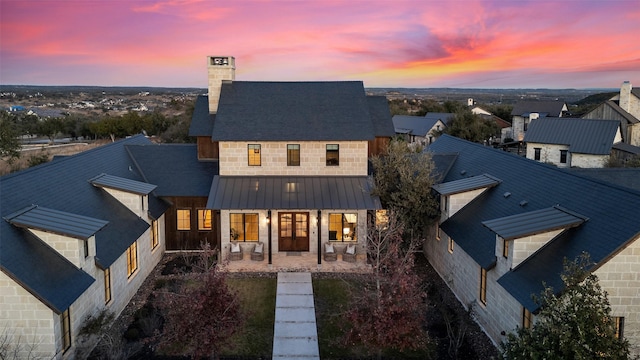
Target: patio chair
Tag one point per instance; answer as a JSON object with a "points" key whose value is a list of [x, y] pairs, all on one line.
{"points": [[349, 253], [257, 253], [330, 253], [235, 252]]}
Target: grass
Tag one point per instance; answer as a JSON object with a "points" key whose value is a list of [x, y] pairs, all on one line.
{"points": [[258, 303]]}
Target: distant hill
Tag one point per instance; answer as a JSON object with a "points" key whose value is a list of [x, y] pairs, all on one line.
{"points": [[596, 99]]}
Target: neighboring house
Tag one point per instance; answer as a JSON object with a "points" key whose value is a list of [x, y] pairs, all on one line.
{"points": [[524, 112], [624, 107], [508, 224], [293, 160], [418, 129], [79, 234], [572, 142]]}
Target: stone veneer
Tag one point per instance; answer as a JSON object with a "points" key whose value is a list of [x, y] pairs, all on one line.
{"points": [[234, 159]]}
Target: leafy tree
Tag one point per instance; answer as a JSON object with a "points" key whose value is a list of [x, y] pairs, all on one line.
{"points": [[471, 127], [203, 315], [575, 324], [403, 180], [50, 127], [388, 313], [9, 142]]}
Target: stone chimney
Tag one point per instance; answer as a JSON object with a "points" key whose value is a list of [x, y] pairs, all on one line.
{"points": [[220, 68], [625, 96]]}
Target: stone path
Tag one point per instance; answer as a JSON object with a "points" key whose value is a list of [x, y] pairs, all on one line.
{"points": [[295, 335]]}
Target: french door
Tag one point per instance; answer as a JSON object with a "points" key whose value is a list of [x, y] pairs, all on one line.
{"points": [[293, 231]]}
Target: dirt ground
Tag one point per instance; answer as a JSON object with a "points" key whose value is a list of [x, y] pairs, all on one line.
{"points": [[467, 339]]}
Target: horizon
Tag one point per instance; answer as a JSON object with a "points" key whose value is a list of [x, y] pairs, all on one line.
{"points": [[465, 44]]}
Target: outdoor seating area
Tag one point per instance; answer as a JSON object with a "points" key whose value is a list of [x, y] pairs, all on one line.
{"points": [[235, 252], [330, 253], [257, 253], [349, 254]]}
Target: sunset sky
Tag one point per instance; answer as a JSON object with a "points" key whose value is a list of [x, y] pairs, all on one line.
{"points": [[385, 43]]}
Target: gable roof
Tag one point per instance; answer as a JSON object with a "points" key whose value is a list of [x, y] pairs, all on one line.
{"points": [[544, 108], [174, 168], [612, 213], [414, 125], [585, 136], [444, 117], [63, 186], [201, 120], [293, 111], [380, 115], [57, 222], [466, 184], [122, 184]]}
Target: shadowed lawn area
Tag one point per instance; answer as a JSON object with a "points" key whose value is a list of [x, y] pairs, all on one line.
{"points": [[258, 303]]}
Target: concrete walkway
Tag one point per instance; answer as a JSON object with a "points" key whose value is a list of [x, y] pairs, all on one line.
{"points": [[295, 335]]}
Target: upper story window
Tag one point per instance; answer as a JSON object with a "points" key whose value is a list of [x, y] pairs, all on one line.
{"points": [[244, 227], [184, 219], [483, 286], [107, 285], [563, 156], [254, 152], [342, 227], [86, 248], [204, 219], [526, 318], [536, 155], [132, 259], [619, 322], [293, 154], [154, 234], [505, 248], [333, 154]]}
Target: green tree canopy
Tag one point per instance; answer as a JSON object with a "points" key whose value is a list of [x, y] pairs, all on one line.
{"points": [[471, 127], [575, 324], [9, 141]]}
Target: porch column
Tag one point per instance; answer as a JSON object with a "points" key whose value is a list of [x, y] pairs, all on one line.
{"points": [[318, 227], [269, 233]]}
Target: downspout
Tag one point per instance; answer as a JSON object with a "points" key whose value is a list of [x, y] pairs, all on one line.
{"points": [[318, 227], [269, 232]]}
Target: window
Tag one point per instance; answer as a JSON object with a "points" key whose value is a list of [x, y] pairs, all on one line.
{"points": [[505, 248], [526, 123], [619, 322], [333, 154], [342, 227], [204, 219], [254, 154], [184, 219], [293, 155], [65, 326], [445, 203], [526, 318], [154, 234], [483, 286], [244, 227], [438, 233], [563, 156], [107, 285], [536, 155], [451, 245], [86, 247], [132, 259]]}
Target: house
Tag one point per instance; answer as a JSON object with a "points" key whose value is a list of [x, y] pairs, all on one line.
{"points": [[524, 112], [293, 161], [418, 129], [284, 164], [572, 142], [79, 235], [624, 107], [507, 224]]}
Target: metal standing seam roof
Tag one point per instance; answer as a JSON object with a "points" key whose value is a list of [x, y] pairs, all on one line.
{"points": [[552, 107], [584, 136], [123, 184], [291, 192], [415, 125], [466, 184], [58, 222], [534, 222]]}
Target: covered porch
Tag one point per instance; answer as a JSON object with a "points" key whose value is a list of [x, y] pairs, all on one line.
{"points": [[296, 262]]}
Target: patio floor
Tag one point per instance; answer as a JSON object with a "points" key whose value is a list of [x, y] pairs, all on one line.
{"points": [[296, 262]]}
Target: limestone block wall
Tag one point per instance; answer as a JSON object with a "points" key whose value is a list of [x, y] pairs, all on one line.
{"points": [[314, 225], [138, 204], [549, 153], [26, 321], [620, 278], [71, 248], [520, 249], [517, 128], [353, 159], [588, 160], [458, 201]]}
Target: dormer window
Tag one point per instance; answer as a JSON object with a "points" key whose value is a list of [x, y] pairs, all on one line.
{"points": [[254, 154], [293, 155]]}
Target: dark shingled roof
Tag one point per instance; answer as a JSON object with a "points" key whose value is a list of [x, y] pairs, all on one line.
{"points": [[174, 168], [380, 115], [612, 213], [201, 120], [293, 111], [414, 125], [584, 136], [292, 192], [552, 108], [62, 185]]}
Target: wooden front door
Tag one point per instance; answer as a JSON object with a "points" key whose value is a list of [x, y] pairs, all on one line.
{"points": [[293, 233]]}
